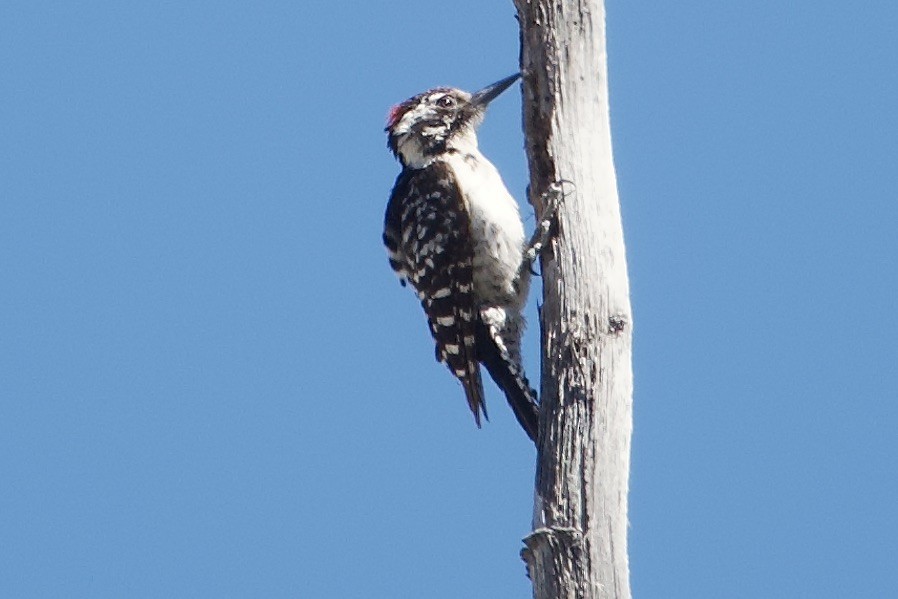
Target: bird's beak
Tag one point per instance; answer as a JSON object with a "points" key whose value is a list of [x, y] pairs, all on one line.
{"points": [[489, 93]]}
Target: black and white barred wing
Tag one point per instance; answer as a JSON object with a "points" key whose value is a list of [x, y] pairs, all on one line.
{"points": [[427, 234]]}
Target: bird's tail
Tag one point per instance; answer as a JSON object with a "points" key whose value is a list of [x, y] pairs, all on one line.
{"points": [[499, 351]]}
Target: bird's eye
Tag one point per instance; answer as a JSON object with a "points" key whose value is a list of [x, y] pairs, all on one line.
{"points": [[446, 102]]}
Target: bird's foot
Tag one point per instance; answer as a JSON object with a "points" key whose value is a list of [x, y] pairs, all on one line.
{"points": [[551, 201]]}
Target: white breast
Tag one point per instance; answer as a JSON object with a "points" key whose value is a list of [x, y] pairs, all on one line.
{"points": [[496, 228]]}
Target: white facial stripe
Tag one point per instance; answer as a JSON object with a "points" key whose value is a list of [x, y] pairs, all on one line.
{"points": [[410, 117]]}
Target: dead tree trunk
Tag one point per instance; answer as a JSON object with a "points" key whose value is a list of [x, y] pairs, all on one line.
{"points": [[578, 548]]}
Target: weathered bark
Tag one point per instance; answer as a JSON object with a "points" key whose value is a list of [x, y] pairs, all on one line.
{"points": [[578, 548]]}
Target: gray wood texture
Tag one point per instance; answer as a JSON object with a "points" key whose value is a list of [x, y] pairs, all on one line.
{"points": [[578, 548]]}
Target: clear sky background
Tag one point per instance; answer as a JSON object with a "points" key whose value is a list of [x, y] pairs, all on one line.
{"points": [[211, 384]]}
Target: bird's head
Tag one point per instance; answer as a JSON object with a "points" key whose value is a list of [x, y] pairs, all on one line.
{"points": [[439, 120]]}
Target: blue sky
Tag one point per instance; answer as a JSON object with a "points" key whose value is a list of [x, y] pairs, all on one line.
{"points": [[212, 385]]}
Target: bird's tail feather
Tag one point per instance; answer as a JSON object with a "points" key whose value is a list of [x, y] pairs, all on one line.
{"points": [[509, 376]]}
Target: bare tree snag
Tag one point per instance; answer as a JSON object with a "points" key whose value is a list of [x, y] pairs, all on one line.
{"points": [[578, 548]]}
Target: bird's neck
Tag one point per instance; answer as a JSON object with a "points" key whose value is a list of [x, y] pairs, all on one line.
{"points": [[420, 152]]}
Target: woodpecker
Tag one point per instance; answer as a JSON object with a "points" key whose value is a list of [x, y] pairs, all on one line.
{"points": [[454, 232]]}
